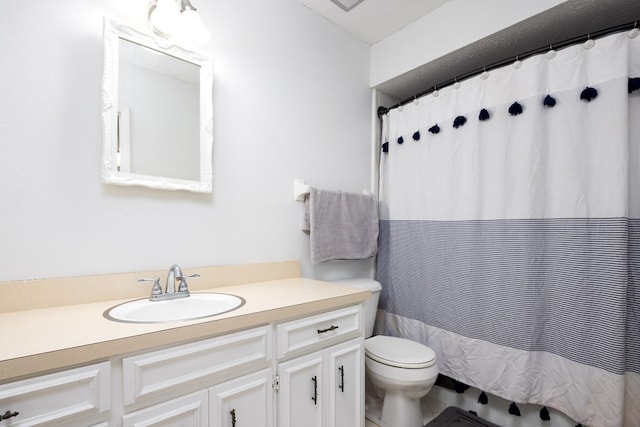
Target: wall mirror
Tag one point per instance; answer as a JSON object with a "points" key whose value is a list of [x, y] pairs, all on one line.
{"points": [[157, 113]]}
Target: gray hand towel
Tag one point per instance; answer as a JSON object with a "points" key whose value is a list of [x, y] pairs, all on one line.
{"points": [[342, 225]]}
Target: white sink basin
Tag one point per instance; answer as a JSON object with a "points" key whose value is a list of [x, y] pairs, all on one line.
{"points": [[196, 306]]}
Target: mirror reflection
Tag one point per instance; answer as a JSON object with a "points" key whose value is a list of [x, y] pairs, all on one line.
{"points": [[158, 103], [158, 125]]}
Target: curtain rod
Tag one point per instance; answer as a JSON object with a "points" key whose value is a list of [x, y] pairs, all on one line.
{"points": [[559, 45]]}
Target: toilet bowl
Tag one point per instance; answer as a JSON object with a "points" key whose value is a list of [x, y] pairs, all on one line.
{"points": [[402, 370]]}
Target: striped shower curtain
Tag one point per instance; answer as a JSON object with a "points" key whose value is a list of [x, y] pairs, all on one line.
{"points": [[510, 230]]}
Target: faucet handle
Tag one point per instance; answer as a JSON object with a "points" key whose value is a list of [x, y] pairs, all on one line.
{"points": [[183, 287], [156, 289]]}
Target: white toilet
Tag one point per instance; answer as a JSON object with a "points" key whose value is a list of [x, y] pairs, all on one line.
{"points": [[402, 369]]}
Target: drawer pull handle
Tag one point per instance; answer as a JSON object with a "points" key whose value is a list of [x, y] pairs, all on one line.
{"points": [[233, 418], [341, 386], [329, 329], [8, 415], [314, 380]]}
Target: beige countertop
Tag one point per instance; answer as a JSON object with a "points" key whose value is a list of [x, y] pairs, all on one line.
{"points": [[45, 339]]}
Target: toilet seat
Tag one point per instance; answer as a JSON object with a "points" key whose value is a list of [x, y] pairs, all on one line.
{"points": [[399, 352]]}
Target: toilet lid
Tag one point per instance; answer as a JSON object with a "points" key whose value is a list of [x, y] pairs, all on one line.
{"points": [[399, 352]]}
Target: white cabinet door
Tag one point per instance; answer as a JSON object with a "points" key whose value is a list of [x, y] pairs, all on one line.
{"points": [[345, 385], [185, 411], [300, 398], [243, 402]]}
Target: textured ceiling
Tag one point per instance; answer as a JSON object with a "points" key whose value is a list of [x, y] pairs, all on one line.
{"points": [[568, 20]]}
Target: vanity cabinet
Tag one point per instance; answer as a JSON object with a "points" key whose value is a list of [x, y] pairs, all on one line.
{"points": [[305, 372], [74, 397], [321, 387]]}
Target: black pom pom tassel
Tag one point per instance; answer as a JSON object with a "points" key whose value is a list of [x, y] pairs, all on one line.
{"points": [[385, 147], [459, 121], [484, 115], [589, 94], [544, 414], [515, 109], [416, 136], [549, 101], [483, 399], [514, 410], [400, 140], [459, 387], [634, 84], [435, 129]]}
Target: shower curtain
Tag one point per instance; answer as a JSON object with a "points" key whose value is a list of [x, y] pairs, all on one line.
{"points": [[510, 230]]}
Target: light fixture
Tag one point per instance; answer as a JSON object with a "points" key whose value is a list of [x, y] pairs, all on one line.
{"points": [[177, 19], [190, 23]]}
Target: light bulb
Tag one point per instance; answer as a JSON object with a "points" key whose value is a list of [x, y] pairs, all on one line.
{"points": [[164, 16]]}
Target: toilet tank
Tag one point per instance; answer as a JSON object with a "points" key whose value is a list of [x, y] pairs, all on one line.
{"points": [[370, 304]]}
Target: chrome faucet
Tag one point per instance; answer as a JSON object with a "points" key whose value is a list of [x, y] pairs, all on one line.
{"points": [[175, 273]]}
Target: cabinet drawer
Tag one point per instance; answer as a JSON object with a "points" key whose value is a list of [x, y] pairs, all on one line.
{"points": [[315, 332], [57, 397], [214, 360]]}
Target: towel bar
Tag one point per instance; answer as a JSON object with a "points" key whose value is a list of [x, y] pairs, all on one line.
{"points": [[300, 189]]}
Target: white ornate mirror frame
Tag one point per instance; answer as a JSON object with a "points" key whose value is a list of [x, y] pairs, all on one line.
{"points": [[112, 173]]}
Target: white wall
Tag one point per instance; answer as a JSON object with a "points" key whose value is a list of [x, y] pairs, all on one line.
{"points": [[291, 99], [452, 26]]}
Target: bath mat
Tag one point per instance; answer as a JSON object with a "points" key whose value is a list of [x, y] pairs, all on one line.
{"points": [[457, 417]]}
